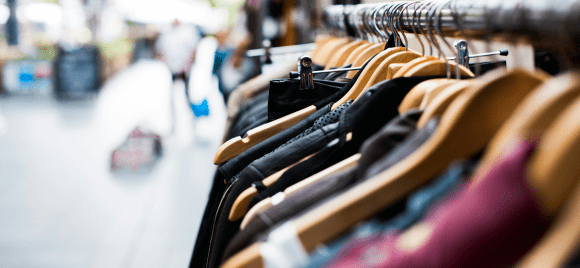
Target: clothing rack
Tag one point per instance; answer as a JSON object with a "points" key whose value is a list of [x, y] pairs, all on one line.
{"points": [[503, 52], [278, 150], [549, 26]]}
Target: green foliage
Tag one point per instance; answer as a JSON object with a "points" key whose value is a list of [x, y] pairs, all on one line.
{"points": [[121, 46]]}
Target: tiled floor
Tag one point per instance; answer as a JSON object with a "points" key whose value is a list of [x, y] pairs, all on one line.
{"points": [[60, 206]]}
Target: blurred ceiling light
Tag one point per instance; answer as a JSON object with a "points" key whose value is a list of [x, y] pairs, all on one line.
{"points": [[4, 14], [34, 12], [38, 13], [195, 12]]}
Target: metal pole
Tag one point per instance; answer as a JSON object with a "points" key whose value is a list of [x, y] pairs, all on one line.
{"points": [[280, 50]]}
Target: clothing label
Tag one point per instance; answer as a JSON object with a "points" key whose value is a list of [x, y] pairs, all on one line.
{"points": [[283, 248]]}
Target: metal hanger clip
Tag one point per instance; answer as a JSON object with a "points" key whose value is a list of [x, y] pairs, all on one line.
{"points": [[305, 72]]}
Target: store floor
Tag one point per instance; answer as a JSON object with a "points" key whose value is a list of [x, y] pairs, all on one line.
{"points": [[60, 205]]}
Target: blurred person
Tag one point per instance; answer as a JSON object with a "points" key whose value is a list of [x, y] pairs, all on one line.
{"points": [[145, 47], [205, 99], [176, 47], [222, 55], [233, 67]]}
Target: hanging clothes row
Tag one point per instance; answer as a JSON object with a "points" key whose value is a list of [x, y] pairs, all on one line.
{"points": [[395, 158]]}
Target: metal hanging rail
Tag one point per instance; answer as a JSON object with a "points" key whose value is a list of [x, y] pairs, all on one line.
{"points": [[280, 50], [541, 23]]}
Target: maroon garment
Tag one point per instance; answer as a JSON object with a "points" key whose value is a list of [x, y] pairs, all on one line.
{"points": [[489, 224]]}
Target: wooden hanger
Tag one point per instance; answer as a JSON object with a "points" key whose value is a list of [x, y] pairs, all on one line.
{"points": [[530, 120], [427, 66], [330, 49], [464, 129], [240, 206], [253, 212], [553, 169], [553, 173], [393, 69], [366, 74], [415, 96], [381, 72], [440, 66], [560, 242], [321, 41], [248, 257], [242, 202], [355, 53], [441, 102], [437, 67], [535, 114], [238, 145], [430, 68], [267, 203], [251, 88], [431, 93], [342, 54], [384, 54], [364, 57], [408, 66]]}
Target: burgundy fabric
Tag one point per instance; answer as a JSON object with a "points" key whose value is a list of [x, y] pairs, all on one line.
{"points": [[492, 223]]}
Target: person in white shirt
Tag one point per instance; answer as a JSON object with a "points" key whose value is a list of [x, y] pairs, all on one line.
{"points": [[176, 47]]}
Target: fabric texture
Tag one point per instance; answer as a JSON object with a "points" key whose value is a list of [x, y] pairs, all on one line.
{"points": [[379, 144], [381, 99], [323, 188], [234, 166], [238, 163], [287, 208], [253, 87], [360, 120], [323, 121], [414, 141], [229, 169], [259, 170], [237, 123], [201, 249], [387, 138], [490, 223], [416, 206], [286, 97], [227, 172], [255, 115]]}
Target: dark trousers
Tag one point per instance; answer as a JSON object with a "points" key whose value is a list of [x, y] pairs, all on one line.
{"points": [[183, 77]]}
